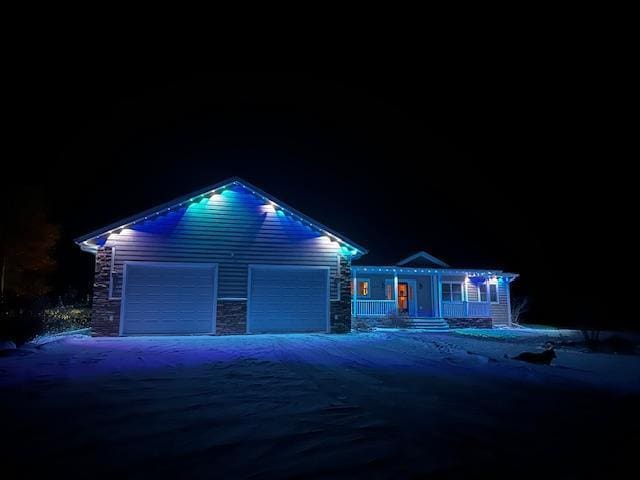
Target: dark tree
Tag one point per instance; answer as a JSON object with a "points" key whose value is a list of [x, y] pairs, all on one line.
{"points": [[27, 241]]}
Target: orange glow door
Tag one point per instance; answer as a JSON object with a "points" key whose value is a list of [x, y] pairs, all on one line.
{"points": [[403, 297]]}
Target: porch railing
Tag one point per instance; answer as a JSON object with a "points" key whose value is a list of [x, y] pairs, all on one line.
{"points": [[466, 309], [372, 308], [381, 308]]}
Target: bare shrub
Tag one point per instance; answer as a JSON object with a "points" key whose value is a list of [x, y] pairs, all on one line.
{"points": [[519, 306], [591, 338], [397, 320], [61, 319], [362, 325]]}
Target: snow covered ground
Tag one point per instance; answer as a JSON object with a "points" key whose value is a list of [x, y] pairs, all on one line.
{"points": [[374, 405]]}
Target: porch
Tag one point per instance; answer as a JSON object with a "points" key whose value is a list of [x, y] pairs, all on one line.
{"points": [[419, 293]]}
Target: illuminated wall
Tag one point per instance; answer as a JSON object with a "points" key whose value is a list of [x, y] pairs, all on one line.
{"points": [[234, 228]]}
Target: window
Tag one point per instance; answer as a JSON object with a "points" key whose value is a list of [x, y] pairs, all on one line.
{"points": [[482, 293], [363, 288], [493, 292], [451, 292]]}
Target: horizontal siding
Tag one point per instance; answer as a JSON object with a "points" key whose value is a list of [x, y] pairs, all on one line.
{"points": [[233, 230], [472, 292], [500, 310]]}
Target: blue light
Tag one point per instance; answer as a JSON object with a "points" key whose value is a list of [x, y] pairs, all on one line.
{"points": [[260, 215]]}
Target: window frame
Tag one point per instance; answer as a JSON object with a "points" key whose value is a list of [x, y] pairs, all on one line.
{"points": [[451, 300], [358, 282], [479, 289], [497, 292]]}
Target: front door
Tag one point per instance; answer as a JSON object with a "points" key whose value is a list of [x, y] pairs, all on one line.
{"points": [[403, 297]]}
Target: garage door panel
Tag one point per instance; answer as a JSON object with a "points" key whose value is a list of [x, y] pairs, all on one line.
{"points": [[169, 299], [288, 299]]}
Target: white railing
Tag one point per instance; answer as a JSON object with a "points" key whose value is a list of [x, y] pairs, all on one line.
{"points": [[372, 308], [478, 309], [453, 309], [466, 309], [381, 308]]}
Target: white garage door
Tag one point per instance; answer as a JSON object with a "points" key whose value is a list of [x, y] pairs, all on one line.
{"points": [[288, 299], [168, 298]]}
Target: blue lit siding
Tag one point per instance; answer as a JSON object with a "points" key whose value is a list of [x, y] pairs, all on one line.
{"points": [[472, 292], [234, 229], [377, 289], [500, 311], [376, 286], [423, 295]]}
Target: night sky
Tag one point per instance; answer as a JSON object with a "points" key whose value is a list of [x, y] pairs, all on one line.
{"points": [[474, 166]]}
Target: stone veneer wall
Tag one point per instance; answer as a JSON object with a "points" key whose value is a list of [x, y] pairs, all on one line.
{"points": [[340, 311], [105, 313], [231, 317], [469, 322]]}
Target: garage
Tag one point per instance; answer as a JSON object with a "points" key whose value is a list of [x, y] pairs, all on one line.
{"points": [[288, 299], [168, 298]]}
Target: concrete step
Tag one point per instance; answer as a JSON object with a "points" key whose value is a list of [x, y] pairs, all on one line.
{"points": [[431, 324], [428, 320]]}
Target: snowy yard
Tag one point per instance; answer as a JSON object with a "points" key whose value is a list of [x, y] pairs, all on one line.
{"points": [[375, 405]]}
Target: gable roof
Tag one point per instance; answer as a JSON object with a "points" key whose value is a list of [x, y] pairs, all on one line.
{"points": [[357, 250], [422, 259]]}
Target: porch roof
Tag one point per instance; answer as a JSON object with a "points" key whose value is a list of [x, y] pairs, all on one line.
{"points": [[377, 269]]}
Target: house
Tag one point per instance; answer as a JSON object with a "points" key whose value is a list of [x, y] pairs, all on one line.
{"points": [[232, 259], [432, 294]]}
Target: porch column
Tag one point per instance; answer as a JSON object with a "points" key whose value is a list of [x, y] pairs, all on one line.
{"points": [[507, 284], [354, 286], [434, 295], [439, 293], [395, 288]]}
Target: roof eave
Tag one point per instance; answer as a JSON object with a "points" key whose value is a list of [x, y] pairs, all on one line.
{"points": [[456, 271], [150, 211], [361, 249]]}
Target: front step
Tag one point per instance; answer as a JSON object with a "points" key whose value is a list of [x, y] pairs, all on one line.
{"points": [[431, 324]]}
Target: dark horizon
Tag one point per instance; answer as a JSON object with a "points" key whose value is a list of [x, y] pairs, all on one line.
{"points": [[474, 172]]}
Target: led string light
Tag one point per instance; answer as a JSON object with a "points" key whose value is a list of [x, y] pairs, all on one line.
{"points": [[343, 245], [494, 275]]}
